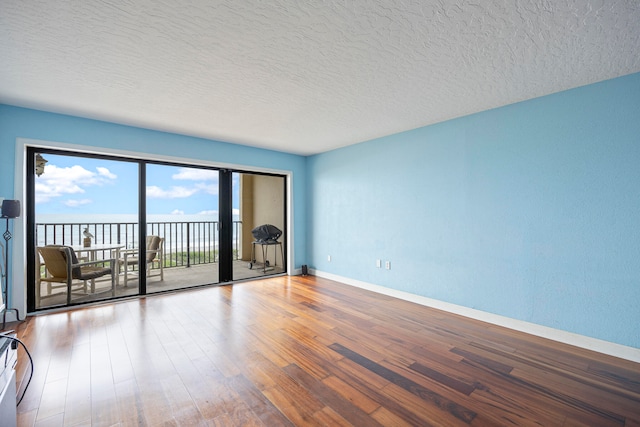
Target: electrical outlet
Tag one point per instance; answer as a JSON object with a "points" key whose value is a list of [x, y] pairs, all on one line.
{"points": [[378, 263], [329, 258], [387, 265]]}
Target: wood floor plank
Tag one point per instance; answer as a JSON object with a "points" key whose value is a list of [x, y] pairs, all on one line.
{"points": [[53, 399], [503, 406], [53, 421], [427, 395], [387, 418], [323, 393], [447, 381], [426, 412], [351, 394], [577, 396], [129, 404], [258, 402], [307, 351], [299, 415], [621, 377], [77, 408]]}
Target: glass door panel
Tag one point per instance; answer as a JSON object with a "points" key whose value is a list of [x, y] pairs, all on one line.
{"points": [[182, 227], [88, 206], [258, 201]]}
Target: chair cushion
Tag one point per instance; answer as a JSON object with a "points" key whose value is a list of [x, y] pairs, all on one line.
{"points": [[90, 272], [75, 272], [87, 272]]}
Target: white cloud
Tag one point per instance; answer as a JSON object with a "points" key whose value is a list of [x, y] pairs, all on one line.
{"points": [[58, 182], [196, 175], [177, 212], [46, 192], [175, 192], [208, 188], [106, 173], [208, 183], [72, 203]]}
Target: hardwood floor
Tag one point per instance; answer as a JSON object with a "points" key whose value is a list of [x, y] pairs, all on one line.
{"points": [[308, 351], [174, 278]]}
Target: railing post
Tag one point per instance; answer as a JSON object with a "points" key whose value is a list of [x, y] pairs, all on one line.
{"points": [[188, 246]]}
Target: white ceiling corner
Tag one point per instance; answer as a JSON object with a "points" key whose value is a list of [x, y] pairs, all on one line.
{"points": [[304, 77]]}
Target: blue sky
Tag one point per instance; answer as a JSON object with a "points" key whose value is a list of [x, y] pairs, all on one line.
{"points": [[82, 185]]}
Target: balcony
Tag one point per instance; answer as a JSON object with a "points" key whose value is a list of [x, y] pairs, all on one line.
{"points": [[190, 257]]}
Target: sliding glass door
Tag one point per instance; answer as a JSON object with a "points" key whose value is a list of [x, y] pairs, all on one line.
{"points": [[102, 227], [260, 246], [88, 205], [182, 215]]}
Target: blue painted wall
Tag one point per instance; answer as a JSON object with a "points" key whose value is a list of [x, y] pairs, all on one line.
{"points": [[26, 123], [530, 211]]}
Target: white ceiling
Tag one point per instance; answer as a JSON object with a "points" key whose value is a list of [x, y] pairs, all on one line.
{"points": [[304, 77]]}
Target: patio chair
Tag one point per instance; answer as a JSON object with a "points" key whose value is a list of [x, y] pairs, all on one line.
{"points": [[62, 266], [154, 254]]}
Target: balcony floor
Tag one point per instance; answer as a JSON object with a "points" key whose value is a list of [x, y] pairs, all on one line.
{"points": [[174, 278]]}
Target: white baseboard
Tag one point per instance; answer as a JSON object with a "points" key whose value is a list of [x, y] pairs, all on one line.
{"points": [[594, 344]]}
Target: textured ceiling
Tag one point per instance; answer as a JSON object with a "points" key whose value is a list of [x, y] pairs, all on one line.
{"points": [[304, 77]]}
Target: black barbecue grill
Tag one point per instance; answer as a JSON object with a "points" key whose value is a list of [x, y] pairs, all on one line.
{"points": [[266, 235]]}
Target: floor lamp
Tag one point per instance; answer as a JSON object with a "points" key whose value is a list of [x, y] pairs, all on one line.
{"points": [[10, 209]]}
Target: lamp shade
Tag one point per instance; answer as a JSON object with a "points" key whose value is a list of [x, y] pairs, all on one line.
{"points": [[10, 208]]}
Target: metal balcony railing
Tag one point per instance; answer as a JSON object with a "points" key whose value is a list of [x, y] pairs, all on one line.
{"points": [[185, 243]]}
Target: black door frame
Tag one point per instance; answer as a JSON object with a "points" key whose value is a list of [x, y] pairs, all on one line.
{"points": [[225, 218], [225, 204]]}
